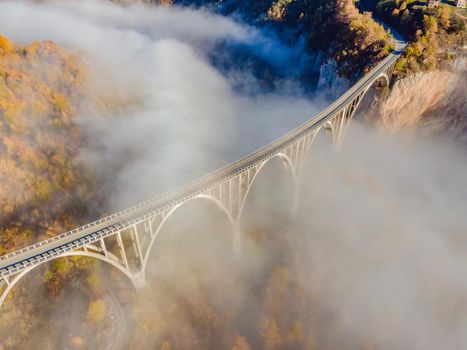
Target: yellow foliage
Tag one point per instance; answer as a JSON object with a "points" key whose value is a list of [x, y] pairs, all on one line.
{"points": [[165, 345], [61, 103], [5, 45], [97, 311], [240, 344], [94, 280], [295, 333], [278, 9], [43, 189], [39, 137], [270, 334], [62, 266], [32, 49], [77, 342]]}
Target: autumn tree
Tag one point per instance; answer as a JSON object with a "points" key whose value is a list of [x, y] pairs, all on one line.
{"points": [[97, 311]]}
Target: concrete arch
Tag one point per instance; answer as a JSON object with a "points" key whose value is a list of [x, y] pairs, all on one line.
{"points": [[289, 165], [312, 138], [382, 77], [328, 128], [23, 273], [173, 210], [313, 135], [320, 131]]}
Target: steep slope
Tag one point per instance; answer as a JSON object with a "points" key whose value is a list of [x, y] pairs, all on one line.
{"points": [[43, 187], [336, 29], [46, 189], [436, 34], [431, 103]]}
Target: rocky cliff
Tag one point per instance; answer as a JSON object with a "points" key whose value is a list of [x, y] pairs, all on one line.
{"points": [[433, 103]]}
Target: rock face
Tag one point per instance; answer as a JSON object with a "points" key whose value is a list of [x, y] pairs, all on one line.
{"points": [[434, 103]]}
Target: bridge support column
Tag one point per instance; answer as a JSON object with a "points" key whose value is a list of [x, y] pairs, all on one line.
{"points": [[295, 197], [237, 244], [4, 282], [121, 247], [139, 279], [136, 244]]}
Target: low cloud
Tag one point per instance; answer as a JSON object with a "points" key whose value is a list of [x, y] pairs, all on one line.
{"points": [[187, 117], [377, 249], [385, 221]]}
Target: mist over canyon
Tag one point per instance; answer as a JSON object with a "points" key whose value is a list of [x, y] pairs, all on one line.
{"points": [[144, 98], [189, 106]]}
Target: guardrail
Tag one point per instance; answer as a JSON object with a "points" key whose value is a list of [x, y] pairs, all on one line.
{"points": [[201, 184]]}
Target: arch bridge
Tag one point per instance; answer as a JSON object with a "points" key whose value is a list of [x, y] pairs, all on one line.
{"points": [[124, 239]]}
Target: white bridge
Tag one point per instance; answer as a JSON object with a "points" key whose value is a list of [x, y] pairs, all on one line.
{"points": [[124, 239]]}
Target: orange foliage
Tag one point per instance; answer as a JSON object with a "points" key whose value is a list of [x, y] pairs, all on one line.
{"points": [[240, 344], [270, 333], [41, 86], [5, 45]]}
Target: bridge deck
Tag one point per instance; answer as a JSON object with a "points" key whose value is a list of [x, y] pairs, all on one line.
{"points": [[19, 260]]}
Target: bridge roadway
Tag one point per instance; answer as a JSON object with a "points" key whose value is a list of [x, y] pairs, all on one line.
{"points": [[15, 262]]}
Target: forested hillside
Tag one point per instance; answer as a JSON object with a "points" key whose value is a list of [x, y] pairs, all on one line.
{"points": [[429, 95], [46, 189], [43, 188], [198, 295], [335, 28], [436, 35], [43, 86]]}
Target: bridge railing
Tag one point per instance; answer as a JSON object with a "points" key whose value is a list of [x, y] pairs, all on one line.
{"points": [[231, 169]]}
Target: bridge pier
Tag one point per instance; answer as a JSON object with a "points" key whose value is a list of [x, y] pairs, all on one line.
{"points": [[237, 239], [139, 280], [295, 198]]}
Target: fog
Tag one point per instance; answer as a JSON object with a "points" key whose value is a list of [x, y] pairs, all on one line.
{"points": [[387, 231], [183, 116], [374, 257]]}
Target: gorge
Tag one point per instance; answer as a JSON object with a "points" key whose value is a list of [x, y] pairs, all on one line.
{"points": [[130, 101]]}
